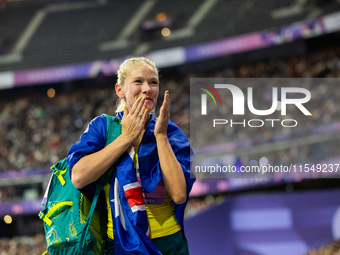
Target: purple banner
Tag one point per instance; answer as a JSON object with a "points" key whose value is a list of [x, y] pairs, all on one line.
{"points": [[22, 207], [289, 33], [13, 174], [227, 46], [66, 73], [51, 75]]}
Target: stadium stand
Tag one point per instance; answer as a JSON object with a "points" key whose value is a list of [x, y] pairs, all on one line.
{"points": [[50, 130], [63, 36], [10, 28]]}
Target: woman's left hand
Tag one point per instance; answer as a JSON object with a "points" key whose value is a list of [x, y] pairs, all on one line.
{"points": [[161, 125], [173, 175]]}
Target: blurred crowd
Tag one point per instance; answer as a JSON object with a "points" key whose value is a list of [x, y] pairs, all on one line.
{"points": [[199, 205], [37, 131], [28, 245]]}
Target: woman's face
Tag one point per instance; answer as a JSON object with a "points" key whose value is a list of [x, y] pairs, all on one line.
{"points": [[141, 82]]}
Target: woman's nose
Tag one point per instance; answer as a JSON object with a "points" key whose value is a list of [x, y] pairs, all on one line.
{"points": [[146, 88]]}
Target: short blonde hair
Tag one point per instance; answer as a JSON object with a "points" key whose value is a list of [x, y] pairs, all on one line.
{"points": [[124, 71]]}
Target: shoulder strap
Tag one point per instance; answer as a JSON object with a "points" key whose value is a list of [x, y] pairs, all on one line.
{"points": [[113, 130], [84, 234]]}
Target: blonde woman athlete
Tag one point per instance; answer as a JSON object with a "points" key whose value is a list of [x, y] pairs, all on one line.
{"points": [[159, 145]]}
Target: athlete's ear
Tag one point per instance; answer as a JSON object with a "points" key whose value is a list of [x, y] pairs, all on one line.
{"points": [[119, 91]]}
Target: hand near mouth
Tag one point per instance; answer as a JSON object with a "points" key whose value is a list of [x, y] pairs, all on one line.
{"points": [[134, 119], [161, 125]]}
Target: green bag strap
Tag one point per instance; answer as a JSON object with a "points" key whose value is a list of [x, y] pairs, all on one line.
{"points": [[114, 128], [112, 132], [82, 239], [59, 170], [59, 174]]}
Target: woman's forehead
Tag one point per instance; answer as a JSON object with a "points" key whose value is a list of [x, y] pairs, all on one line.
{"points": [[142, 69]]}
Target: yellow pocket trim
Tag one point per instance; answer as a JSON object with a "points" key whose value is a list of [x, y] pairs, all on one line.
{"points": [[46, 217]]}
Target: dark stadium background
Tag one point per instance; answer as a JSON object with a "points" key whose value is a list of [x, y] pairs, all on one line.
{"points": [[57, 72]]}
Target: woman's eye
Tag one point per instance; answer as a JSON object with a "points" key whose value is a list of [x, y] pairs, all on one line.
{"points": [[138, 81]]}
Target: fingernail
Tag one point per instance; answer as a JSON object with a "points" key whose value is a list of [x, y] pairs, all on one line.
{"points": [[124, 108], [146, 110], [164, 102], [139, 98]]}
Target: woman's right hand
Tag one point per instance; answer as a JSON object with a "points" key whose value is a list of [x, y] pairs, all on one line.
{"points": [[134, 120], [90, 167]]}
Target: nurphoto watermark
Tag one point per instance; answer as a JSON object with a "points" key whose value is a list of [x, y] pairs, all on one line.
{"points": [[265, 127]]}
